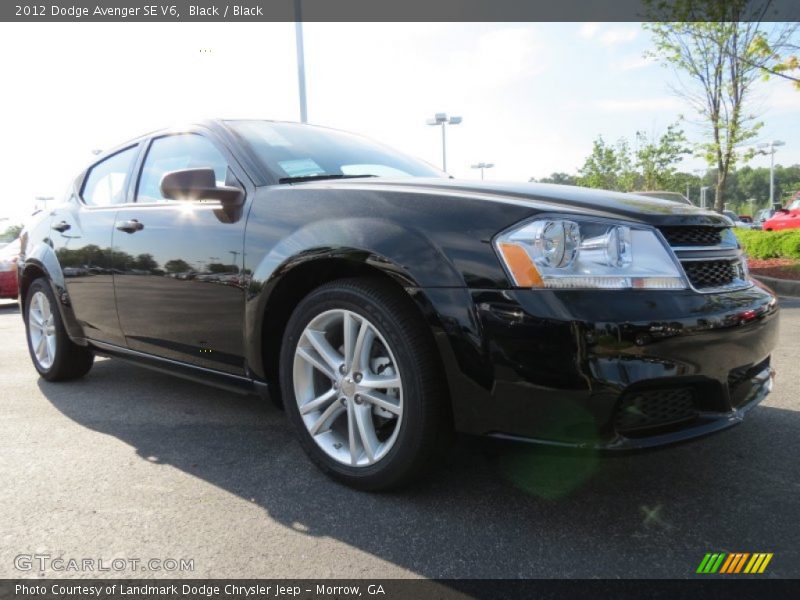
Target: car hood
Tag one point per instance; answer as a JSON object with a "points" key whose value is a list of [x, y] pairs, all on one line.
{"points": [[541, 197]]}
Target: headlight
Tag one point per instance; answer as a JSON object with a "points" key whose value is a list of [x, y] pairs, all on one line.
{"points": [[575, 254]]}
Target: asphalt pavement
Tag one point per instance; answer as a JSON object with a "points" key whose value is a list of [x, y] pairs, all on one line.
{"points": [[134, 464]]}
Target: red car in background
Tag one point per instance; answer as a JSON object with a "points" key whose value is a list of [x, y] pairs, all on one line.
{"points": [[8, 270], [785, 218]]}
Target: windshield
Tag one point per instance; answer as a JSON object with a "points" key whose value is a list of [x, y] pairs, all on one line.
{"points": [[795, 205], [294, 152]]}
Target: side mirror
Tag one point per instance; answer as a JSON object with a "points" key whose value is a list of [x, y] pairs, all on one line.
{"points": [[199, 184]]}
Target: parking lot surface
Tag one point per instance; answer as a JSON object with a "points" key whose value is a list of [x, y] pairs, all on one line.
{"points": [[135, 464]]}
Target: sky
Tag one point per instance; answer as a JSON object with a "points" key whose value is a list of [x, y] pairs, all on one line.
{"points": [[533, 97]]}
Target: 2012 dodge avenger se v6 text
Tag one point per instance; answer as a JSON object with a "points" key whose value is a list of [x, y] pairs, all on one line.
{"points": [[384, 304]]}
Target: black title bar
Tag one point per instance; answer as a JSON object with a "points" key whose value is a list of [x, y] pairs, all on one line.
{"points": [[723, 588], [385, 10]]}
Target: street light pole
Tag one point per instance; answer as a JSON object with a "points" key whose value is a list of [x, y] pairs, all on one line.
{"points": [[482, 166], [701, 173], [444, 148], [301, 61], [441, 119], [44, 200], [772, 150], [703, 191]]}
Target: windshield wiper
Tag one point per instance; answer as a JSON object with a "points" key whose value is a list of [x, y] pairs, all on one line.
{"points": [[318, 177]]}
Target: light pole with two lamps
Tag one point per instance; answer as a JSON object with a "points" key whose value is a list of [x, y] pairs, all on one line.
{"points": [[482, 166], [441, 119], [770, 148]]}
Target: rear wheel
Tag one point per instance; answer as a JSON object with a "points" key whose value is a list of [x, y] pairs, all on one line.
{"points": [[362, 388], [54, 355]]}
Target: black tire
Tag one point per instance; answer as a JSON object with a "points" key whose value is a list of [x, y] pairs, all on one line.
{"points": [[424, 431], [71, 361]]}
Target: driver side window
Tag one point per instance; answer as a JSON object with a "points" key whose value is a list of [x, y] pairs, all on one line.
{"points": [[173, 153]]}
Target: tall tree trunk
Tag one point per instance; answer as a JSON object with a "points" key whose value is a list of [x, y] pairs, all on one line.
{"points": [[719, 192]]}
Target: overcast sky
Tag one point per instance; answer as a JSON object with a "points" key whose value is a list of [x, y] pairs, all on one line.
{"points": [[532, 96]]}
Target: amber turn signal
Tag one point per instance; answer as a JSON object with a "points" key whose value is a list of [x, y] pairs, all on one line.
{"points": [[521, 266]]}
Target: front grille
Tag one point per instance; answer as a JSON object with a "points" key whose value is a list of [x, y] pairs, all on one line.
{"points": [[720, 264], [692, 236], [711, 273], [654, 408]]}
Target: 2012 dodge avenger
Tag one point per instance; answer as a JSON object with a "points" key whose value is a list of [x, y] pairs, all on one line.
{"points": [[384, 304]]}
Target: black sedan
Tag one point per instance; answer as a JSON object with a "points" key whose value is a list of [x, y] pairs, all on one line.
{"points": [[385, 305]]}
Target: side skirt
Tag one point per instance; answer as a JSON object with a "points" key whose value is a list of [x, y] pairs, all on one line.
{"points": [[226, 381]]}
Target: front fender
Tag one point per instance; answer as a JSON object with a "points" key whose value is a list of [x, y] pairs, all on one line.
{"points": [[402, 254], [406, 251]]}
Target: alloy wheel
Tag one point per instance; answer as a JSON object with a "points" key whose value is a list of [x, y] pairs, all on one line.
{"points": [[348, 387], [42, 330]]}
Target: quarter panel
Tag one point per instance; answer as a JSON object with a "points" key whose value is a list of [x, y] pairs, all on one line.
{"points": [[37, 252]]}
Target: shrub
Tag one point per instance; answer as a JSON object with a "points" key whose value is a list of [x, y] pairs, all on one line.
{"points": [[770, 244]]}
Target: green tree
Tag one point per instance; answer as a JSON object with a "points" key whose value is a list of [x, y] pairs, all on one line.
{"points": [[216, 267], [785, 64], [657, 159], [145, 262], [753, 183], [719, 48], [686, 183], [177, 265], [558, 178], [608, 167], [11, 233]]}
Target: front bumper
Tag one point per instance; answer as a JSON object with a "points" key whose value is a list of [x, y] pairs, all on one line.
{"points": [[606, 369]]}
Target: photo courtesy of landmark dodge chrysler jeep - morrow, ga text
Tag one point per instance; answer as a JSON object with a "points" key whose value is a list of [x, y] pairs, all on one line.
{"points": [[385, 305]]}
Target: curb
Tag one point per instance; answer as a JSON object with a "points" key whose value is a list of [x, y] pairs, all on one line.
{"points": [[782, 287]]}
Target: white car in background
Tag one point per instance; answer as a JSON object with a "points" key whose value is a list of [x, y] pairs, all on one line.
{"points": [[737, 222]]}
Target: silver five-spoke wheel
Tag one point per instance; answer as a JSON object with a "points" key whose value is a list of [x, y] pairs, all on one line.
{"points": [[42, 330], [348, 387]]}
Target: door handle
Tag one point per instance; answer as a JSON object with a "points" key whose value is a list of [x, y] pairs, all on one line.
{"points": [[131, 226], [62, 226]]}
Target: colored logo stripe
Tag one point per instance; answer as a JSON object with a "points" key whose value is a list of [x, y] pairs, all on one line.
{"points": [[721, 562], [737, 563], [758, 563], [710, 563]]}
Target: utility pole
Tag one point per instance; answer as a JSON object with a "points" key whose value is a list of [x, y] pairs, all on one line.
{"points": [[301, 61]]}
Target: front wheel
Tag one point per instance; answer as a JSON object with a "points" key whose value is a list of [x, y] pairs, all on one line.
{"points": [[55, 356], [361, 384]]}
